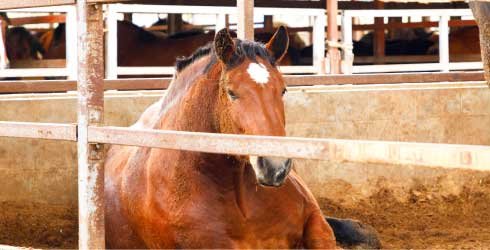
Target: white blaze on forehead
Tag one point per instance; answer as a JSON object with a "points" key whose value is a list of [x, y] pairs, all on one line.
{"points": [[258, 72]]}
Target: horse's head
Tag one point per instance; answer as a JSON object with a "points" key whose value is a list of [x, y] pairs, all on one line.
{"points": [[4, 61], [251, 96], [22, 45]]}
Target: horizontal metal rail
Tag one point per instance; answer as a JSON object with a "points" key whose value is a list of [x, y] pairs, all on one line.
{"points": [[43, 86], [380, 152], [51, 131]]}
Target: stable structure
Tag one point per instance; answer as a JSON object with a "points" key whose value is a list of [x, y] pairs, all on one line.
{"points": [[90, 133]]}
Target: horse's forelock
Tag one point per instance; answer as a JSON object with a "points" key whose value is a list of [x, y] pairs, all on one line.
{"points": [[243, 49]]}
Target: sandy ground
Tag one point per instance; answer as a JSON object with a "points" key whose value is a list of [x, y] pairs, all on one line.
{"points": [[452, 222]]}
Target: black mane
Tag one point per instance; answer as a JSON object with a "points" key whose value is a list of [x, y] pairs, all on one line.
{"points": [[244, 49]]}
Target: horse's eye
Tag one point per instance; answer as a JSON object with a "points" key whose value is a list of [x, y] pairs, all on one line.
{"points": [[232, 95], [284, 91]]}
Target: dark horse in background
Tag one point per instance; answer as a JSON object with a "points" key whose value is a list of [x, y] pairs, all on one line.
{"points": [[138, 47], [481, 12], [17, 43]]}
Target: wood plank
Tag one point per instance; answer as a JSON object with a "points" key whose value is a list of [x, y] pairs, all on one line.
{"points": [[47, 63], [37, 19], [397, 25], [44, 86], [50, 131], [419, 58], [50, 86], [377, 152], [8, 4]]}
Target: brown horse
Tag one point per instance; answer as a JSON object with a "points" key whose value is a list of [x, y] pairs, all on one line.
{"points": [[138, 47], [158, 198]]}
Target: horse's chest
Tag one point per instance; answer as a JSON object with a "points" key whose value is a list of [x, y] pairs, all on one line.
{"points": [[264, 225]]}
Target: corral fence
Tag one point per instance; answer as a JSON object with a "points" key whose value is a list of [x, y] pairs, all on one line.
{"points": [[90, 133]]}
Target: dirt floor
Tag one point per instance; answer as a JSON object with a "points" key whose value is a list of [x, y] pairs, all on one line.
{"points": [[451, 222]]}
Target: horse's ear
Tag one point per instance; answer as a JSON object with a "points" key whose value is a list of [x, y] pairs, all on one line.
{"points": [[278, 45], [224, 46]]}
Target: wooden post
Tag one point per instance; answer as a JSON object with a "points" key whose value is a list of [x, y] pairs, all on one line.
{"points": [[268, 24], [379, 35], [392, 33], [481, 12], [245, 26], [90, 112], [333, 53], [4, 61], [174, 23]]}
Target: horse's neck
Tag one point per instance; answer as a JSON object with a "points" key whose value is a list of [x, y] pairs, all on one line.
{"points": [[192, 104], [198, 110]]}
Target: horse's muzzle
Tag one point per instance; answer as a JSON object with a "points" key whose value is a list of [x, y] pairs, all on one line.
{"points": [[271, 171]]}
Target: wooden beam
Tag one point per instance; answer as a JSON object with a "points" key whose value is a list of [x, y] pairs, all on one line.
{"points": [[91, 234], [50, 131], [452, 23], [394, 78], [378, 152], [43, 86], [17, 21], [32, 3], [48, 63]]}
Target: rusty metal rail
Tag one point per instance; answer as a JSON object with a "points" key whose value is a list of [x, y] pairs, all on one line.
{"points": [[381, 152], [51, 131]]}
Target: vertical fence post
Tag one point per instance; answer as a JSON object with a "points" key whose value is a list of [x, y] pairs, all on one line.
{"points": [[111, 44], [347, 55], [220, 22], [71, 43], [319, 43], [245, 25], [333, 36], [444, 43], [90, 111]]}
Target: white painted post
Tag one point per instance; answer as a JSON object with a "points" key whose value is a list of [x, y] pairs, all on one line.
{"points": [[444, 43], [245, 25], [111, 44], [71, 42], [319, 43], [220, 22], [347, 54]]}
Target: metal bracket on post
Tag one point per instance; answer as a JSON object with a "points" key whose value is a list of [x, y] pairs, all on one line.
{"points": [[90, 112]]}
